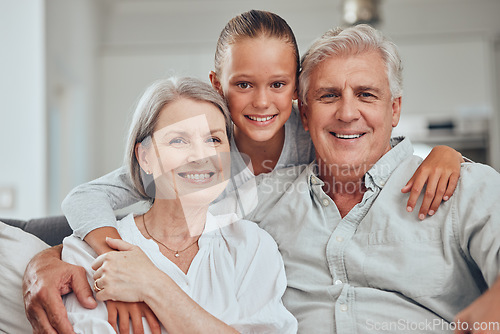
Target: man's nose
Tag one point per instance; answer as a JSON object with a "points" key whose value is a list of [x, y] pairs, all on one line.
{"points": [[348, 109]]}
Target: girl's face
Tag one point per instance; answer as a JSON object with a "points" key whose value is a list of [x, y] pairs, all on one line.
{"points": [[185, 154], [258, 79]]}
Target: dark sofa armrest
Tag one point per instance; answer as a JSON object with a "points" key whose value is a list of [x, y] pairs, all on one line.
{"points": [[51, 230]]}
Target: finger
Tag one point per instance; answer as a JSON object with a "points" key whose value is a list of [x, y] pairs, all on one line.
{"points": [[112, 315], [452, 185], [154, 324], [123, 320], [39, 321], [99, 261], [408, 186], [82, 289], [438, 197], [430, 192], [56, 314], [119, 244], [460, 324], [136, 317], [416, 189]]}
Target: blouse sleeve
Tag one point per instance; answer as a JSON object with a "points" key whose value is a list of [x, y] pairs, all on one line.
{"points": [[261, 282], [91, 205], [76, 251]]}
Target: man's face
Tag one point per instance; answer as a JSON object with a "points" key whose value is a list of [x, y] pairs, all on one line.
{"points": [[350, 113]]}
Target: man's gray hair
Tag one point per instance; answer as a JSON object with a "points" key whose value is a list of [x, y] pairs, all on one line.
{"points": [[351, 41], [146, 115]]}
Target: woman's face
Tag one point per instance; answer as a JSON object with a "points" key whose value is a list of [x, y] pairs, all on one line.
{"points": [[188, 153], [258, 79]]}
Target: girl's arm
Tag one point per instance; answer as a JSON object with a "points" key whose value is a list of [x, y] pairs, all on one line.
{"points": [[439, 173]]}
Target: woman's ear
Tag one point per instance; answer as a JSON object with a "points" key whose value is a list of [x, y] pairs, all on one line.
{"points": [[216, 84], [141, 154]]}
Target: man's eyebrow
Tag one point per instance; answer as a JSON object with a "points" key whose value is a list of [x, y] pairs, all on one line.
{"points": [[368, 88], [323, 90]]}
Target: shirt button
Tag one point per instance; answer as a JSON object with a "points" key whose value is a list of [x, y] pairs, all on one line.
{"points": [[337, 282], [339, 238], [313, 181], [343, 307], [325, 202], [382, 183]]}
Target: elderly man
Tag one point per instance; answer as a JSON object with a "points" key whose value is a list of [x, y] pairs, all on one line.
{"points": [[355, 261]]}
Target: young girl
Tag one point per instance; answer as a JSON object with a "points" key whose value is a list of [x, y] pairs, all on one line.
{"points": [[256, 70]]}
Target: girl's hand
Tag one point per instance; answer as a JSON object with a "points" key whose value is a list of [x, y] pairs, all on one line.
{"points": [[126, 312], [439, 172], [127, 275]]}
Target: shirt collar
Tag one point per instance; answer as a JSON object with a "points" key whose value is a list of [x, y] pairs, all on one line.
{"points": [[380, 172]]}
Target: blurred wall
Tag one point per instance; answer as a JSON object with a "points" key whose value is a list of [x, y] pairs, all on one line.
{"points": [[101, 54]]}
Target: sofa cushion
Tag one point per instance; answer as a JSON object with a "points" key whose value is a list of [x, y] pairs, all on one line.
{"points": [[16, 250]]}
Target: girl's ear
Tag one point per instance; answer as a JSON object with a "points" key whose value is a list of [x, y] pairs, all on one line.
{"points": [[141, 154], [303, 114], [216, 84]]}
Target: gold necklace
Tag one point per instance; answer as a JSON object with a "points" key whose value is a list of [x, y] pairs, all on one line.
{"points": [[176, 252]]}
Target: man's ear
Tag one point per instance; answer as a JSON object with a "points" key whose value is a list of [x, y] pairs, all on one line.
{"points": [[141, 154], [303, 114], [216, 84], [396, 111]]}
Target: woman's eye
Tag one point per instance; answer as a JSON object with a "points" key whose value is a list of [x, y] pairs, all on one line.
{"points": [[243, 85], [177, 141], [278, 84]]}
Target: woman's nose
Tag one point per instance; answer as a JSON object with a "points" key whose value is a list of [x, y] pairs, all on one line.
{"points": [[200, 152]]}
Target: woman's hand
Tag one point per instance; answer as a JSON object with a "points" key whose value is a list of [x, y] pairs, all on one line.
{"points": [[131, 312], [439, 172], [126, 275]]}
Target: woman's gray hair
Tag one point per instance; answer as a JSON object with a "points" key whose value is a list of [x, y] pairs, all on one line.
{"points": [[145, 118], [351, 41]]}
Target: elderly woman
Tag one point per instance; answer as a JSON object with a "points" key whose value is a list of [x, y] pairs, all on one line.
{"points": [[197, 272]]}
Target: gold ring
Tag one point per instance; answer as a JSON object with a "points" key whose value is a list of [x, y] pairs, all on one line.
{"points": [[96, 288]]}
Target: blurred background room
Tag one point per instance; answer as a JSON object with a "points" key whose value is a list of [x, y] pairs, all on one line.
{"points": [[71, 72]]}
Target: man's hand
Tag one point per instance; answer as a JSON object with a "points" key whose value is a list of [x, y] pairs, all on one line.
{"points": [[483, 315], [45, 280]]}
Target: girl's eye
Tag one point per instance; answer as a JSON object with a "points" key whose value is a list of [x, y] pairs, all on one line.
{"points": [[214, 140], [277, 84], [243, 85]]}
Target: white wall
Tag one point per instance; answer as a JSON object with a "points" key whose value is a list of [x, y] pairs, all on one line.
{"points": [[22, 111], [67, 126]]}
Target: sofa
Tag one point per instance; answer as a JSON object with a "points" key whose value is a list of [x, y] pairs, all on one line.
{"points": [[20, 240], [52, 230]]}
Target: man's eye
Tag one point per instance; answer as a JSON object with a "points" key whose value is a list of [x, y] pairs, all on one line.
{"points": [[243, 85], [366, 95], [277, 84], [328, 96]]}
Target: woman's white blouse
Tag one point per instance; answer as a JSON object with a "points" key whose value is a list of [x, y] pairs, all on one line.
{"points": [[237, 275]]}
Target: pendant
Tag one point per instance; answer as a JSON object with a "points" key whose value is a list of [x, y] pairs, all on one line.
{"points": [[176, 254]]}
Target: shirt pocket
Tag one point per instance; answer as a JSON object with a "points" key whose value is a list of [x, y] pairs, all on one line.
{"points": [[409, 263]]}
